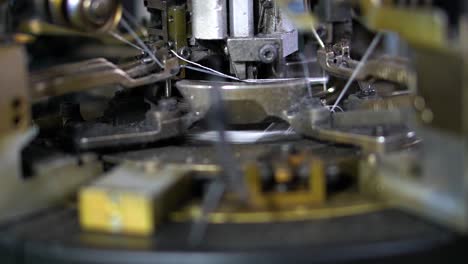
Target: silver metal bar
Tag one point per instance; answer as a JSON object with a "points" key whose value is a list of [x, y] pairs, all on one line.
{"points": [[98, 73], [241, 18], [209, 20]]}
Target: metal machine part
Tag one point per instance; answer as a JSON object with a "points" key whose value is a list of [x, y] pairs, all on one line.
{"points": [[379, 131], [158, 125], [270, 134], [140, 196], [88, 15], [126, 122], [265, 49], [95, 73], [291, 171], [246, 102], [209, 21], [279, 138], [250, 44], [178, 27], [303, 182], [276, 39], [158, 27], [91, 16], [168, 23], [337, 61], [411, 180], [14, 102], [241, 18], [334, 11], [414, 177], [29, 189]]}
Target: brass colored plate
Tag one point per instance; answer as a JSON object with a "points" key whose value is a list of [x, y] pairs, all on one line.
{"points": [[345, 205]]}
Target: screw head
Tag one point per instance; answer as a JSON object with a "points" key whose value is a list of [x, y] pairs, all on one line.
{"points": [[268, 54]]}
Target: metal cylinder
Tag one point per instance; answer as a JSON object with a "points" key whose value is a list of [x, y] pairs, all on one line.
{"points": [[86, 15], [241, 18], [209, 20]]}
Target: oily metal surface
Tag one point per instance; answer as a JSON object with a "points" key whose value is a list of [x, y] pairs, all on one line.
{"points": [[205, 154], [384, 237], [63, 231]]}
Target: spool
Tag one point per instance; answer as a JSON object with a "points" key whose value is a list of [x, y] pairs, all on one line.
{"points": [[86, 15]]}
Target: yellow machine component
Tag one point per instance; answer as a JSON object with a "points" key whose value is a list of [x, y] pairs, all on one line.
{"points": [[345, 205], [132, 200], [419, 26], [177, 27], [313, 193], [122, 213], [299, 14], [306, 198]]}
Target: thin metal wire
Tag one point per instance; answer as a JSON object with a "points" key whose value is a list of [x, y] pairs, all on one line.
{"points": [[322, 45], [358, 69], [231, 172], [338, 107], [204, 67], [208, 72], [269, 127], [129, 16], [140, 42], [230, 176], [211, 200], [317, 37], [213, 72], [122, 39], [306, 69], [324, 75]]}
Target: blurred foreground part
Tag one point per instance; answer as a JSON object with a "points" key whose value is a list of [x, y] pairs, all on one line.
{"points": [[133, 199], [238, 131], [65, 17], [138, 198], [26, 189], [431, 180], [15, 104]]}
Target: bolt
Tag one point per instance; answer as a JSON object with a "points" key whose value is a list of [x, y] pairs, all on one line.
{"points": [[185, 52], [268, 54]]}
